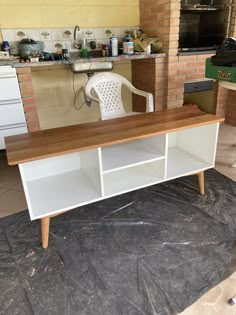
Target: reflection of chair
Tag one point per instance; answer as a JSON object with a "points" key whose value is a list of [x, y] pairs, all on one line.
{"points": [[107, 87]]}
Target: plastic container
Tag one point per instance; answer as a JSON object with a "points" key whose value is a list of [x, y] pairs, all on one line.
{"points": [[128, 48], [114, 45], [27, 46]]}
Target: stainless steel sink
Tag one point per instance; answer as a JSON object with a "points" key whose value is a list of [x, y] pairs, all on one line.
{"points": [[79, 65], [91, 67]]}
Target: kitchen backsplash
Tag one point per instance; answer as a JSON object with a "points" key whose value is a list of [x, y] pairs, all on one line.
{"points": [[57, 38]]}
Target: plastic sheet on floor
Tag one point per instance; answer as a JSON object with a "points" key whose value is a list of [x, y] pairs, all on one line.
{"points": [[152, 251]]}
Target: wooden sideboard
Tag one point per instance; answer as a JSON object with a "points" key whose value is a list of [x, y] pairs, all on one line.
{"points": [[67, 167]]}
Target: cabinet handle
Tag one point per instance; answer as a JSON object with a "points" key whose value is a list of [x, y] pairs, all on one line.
{"points": [[12, 126], [10, 102], [7, 76]]}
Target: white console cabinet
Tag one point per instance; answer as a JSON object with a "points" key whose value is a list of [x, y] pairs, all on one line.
{"points": [[12, 118], [68, 167]]}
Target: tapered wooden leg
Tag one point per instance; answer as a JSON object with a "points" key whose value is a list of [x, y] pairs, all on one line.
{"points": [[45, 223], [201, 182]]}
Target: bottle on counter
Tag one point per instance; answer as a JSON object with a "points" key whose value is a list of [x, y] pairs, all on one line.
{"points": [[84, 47], [114, 45], [6, 46], [128, 45], [65, 52]]}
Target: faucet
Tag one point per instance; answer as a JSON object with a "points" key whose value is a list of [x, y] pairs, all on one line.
{"points": [[76, 44]]}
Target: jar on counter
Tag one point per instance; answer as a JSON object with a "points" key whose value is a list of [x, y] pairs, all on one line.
{"points": [[105, 50], [128, 45], [128, 48]]}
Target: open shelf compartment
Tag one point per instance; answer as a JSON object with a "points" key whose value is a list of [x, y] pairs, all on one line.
{"points": [[133, 153], [191, 150], [132, 178], [61, 183]]}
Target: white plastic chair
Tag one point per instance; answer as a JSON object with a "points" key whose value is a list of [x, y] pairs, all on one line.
{"points": [[107, 87]]}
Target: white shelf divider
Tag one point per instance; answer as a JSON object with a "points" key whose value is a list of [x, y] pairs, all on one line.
{"points": [[129, 154]]}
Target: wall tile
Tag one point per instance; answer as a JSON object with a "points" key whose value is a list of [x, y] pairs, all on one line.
{"points": [[88, 33], [64, 36], [45, 34], [56, 34], [8, 35], [98, 32], [118, 32], [20, 34], [107, 32], [68, 34], [57, 46], [34, 34], [48, 46]]}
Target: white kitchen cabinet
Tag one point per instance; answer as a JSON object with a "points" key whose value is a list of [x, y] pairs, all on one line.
{"points": [[12, 118]]}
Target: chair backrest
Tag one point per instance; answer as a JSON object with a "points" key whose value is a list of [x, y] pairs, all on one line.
{"points": [[107, 87]]}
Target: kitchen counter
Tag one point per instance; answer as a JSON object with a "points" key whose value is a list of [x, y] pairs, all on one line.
{"points": [[16, 64]]}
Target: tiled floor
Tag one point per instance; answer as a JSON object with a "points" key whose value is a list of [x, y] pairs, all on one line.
{"points": [[212, 303]]}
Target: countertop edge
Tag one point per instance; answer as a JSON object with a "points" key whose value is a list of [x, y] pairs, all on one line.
{"points": [[16, 64]]}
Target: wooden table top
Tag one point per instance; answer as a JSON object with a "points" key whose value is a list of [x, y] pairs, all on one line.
{"points": [[58, 141]]}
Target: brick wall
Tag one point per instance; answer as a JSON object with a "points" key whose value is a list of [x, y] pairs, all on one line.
{"points": [[161, 17], [28, 98]]}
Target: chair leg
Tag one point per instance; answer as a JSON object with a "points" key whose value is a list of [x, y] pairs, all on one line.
{"points": [[45, 223], [233, 164], [232, 301], [201, 182]]}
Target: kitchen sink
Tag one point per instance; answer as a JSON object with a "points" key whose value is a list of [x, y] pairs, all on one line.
{"points": [[88, 65], [91, 66]]}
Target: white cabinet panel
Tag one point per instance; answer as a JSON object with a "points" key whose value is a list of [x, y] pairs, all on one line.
{"points": [[19, 128], [12, 117], [11, 114], [9, 88]]}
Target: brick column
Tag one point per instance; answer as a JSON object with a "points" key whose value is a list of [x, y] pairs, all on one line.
{"points": [[28, 98], [149, 75], [222, 97]]}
